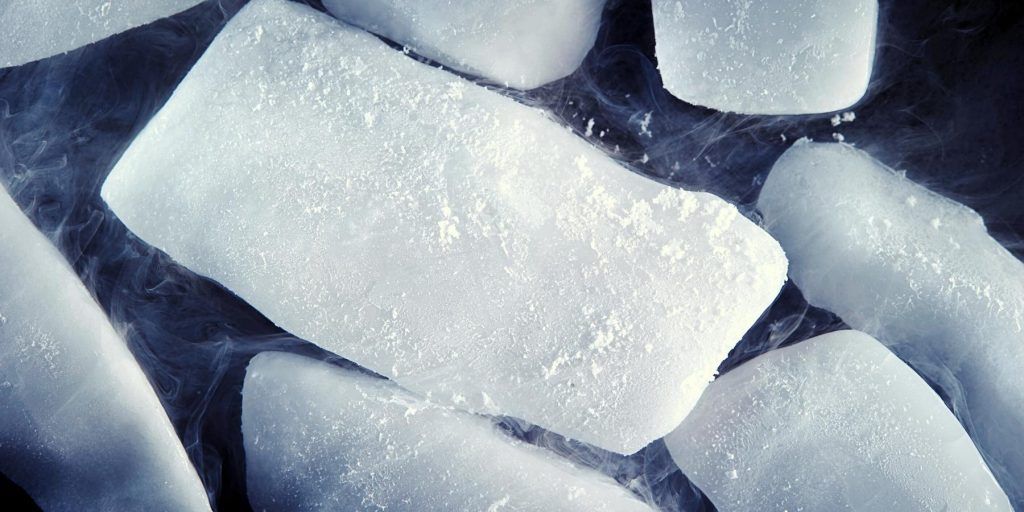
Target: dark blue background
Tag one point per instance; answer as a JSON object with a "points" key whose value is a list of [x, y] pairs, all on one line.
{"points": [[945, 101]]}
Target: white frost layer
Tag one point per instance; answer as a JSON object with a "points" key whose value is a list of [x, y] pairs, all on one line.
{"points": [[318, 437], [80, 426], [834, 423], [768, 56], [441, 234], [914, 269], [34, 29], [521, 43]]}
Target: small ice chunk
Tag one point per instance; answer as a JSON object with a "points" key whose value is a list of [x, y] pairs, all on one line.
{"points": [[318, 437], [916, 270], [441, 234], [766, 57], [521, 43], [35, 29], [80, 426], [833, 423]]}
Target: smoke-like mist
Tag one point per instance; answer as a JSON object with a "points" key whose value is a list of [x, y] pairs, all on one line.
{"points": [[946, 95]]}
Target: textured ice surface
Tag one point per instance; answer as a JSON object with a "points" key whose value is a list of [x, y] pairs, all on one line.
{"points": [[80, 426], [914, 269], [318, 437], [34, 29], [521, 43], [768, 56], [441, 234], [834, 423]]}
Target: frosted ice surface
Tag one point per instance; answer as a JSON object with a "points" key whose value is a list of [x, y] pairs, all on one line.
{"points": [[80, 426], [766, 57], [35, 29], [318, 437], [440, 234], [916, 270], [834, 423], [521, 43]]}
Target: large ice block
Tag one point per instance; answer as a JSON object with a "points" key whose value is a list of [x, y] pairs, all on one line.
{"points": [[35, 29], [520, 43], [318, 437], [833, 423], [914, 269], [80, 426], [766, 57], [441, 234]]}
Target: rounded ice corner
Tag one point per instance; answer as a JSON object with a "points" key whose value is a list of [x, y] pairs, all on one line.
{"points": [[835, 104], [775, 263], [847, 340], [783, 173], [677, 406], [259, 362], [754, 109]]}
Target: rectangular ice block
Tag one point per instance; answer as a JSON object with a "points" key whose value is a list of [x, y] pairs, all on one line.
{"points": [[318, 437], [80, 426], [836, 422], [456, 241], [766, 56], [35, 29]]}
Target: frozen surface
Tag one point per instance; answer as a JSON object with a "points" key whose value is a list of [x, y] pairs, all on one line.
{"points": [[766, 57], [80, 426], [916, 270], [521, 43], [34, 29], [318, 437], [441, 234], [834, 423]]}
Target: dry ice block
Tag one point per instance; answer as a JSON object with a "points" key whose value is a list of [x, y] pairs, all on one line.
{"points": [[836, 422], [458, 242], [318, 437], [916, 270], [35, 29], [767, 56], [80, 426]]}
